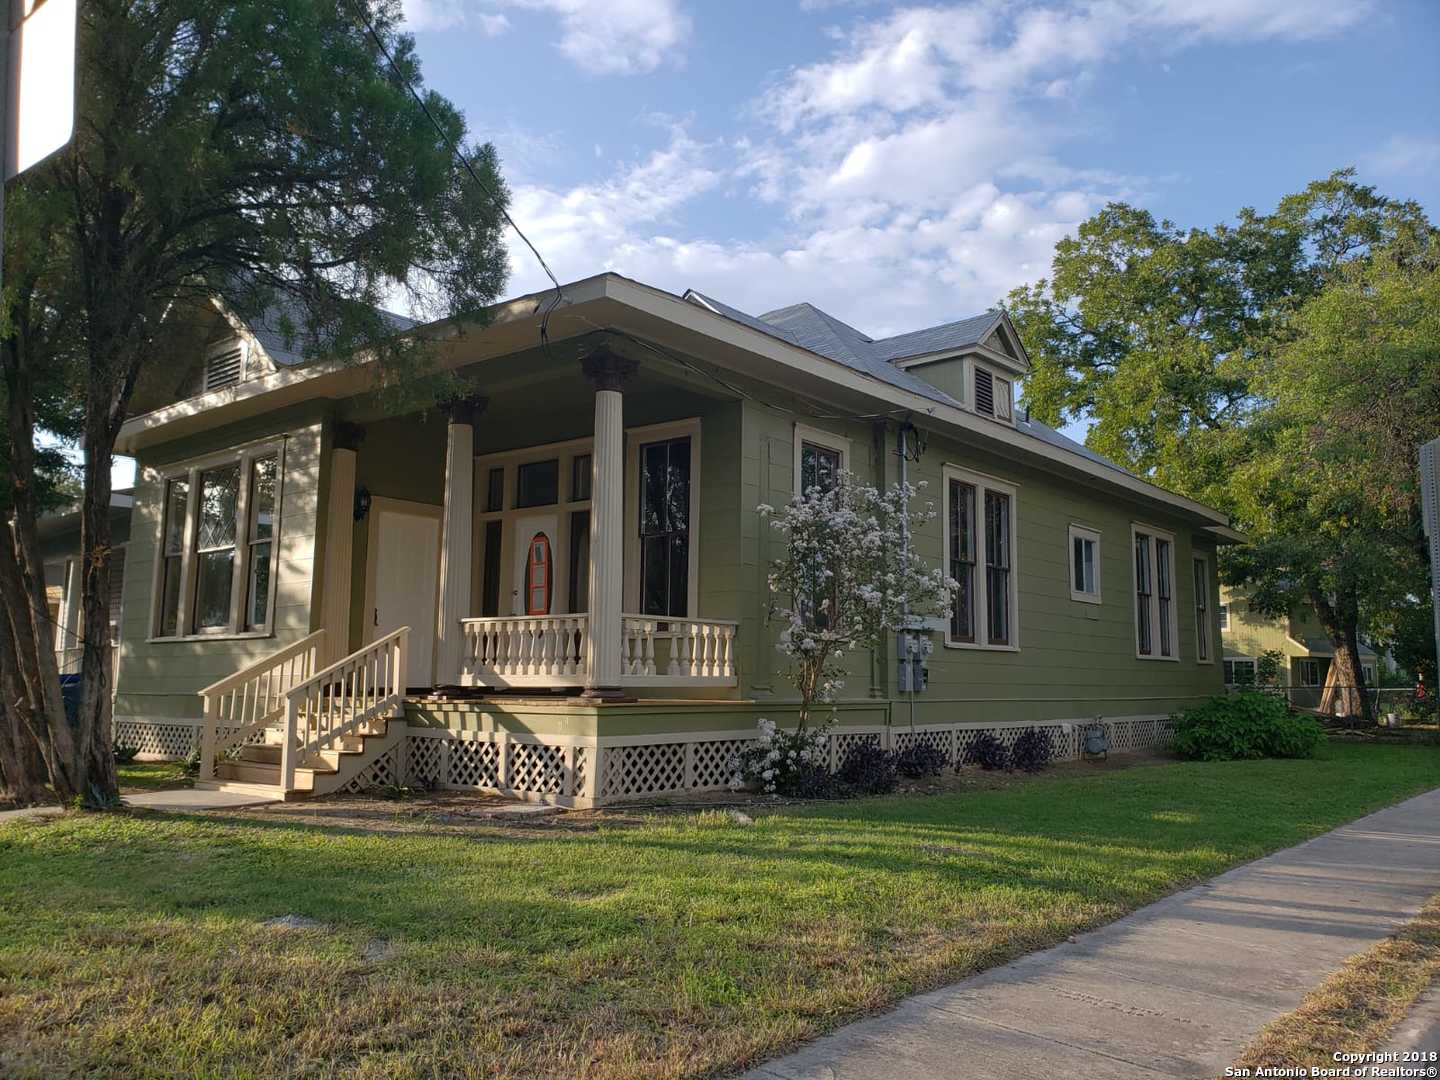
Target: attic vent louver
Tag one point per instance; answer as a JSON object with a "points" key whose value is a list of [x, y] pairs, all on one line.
{"points": [[984, 392], [222, 367]]}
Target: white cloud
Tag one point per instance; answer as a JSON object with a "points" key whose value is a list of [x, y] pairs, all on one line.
{"points": [[916, 170], [427, 15], [1405, 153], [617, 37]]}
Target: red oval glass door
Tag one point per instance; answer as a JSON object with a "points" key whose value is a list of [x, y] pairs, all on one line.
{"points": [[538, 576]]}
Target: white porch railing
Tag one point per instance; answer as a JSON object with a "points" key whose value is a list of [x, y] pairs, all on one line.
{"points": [[240, 707], [677, 652], [531, 650], [549, 651], [337, 700]]}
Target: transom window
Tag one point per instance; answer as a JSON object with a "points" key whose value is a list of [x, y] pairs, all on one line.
{"points": [[1155, 628], [665, 527], [980, 548], [217, 547], [537, 483], [1084, 564]]}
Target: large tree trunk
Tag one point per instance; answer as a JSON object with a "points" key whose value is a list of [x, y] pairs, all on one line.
{"points": [[93, 735], [22, 769], [1344, 693]]}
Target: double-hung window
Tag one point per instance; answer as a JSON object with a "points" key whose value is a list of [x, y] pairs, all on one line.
{"points": [[1155, 626], [1084, 564], [1202, 609], [665, 527], [1239, 671], [820, 459], [980, 548], [215, 574], [1309, 672]]}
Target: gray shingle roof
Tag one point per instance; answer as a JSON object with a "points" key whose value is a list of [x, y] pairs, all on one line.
{"points": [[810, 328], [291, 353], [954, 335], [1319, 646]]}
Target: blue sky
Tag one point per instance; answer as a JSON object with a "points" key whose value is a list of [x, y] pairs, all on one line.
{"points": [[901, 165]]}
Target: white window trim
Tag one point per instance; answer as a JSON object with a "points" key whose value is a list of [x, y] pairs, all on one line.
{"points": [[1300, 673], [1211, 622], [996, 372], [982, 483], [1137, 527], [190, 471], [1084, 533], [818, 437]]}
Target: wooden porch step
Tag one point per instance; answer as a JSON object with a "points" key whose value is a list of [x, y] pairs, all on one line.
{"points": [[320, 760], [240, 788], [254, 772]]}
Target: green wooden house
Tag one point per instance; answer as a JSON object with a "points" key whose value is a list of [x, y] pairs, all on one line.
{"points": [[556, 587]]}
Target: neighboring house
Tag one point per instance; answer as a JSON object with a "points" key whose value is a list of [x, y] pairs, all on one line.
{"points": [[1304, 647], [576, 554], [59, 535]]}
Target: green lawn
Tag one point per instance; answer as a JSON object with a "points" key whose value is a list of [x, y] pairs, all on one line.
{"points": [[131, 945], [151, 775]]}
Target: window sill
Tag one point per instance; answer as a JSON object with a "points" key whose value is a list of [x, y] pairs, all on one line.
{"points": [[981, 646], [1161, 659], [1085, 598], [247, 635]]}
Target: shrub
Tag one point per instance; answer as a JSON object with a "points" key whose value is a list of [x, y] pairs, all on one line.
{"points": [[1237, 727], [921, 760], [1033, 750], [868, 770], [988, 752], [125, 754], [792, 763]]}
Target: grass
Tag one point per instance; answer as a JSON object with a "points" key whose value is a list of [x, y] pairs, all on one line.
{"points": [[151, 775], [686, 944], [1357, 1007]]}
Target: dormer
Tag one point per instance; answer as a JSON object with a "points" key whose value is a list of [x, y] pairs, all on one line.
{"points": [[979, 365]]}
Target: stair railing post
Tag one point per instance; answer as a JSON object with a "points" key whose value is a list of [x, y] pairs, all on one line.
{"points": [[402, 666], [208, 735], [287, 748]]}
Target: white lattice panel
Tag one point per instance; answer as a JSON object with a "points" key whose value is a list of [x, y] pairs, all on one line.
{"points": [[944, 741], [536, 769], [473, 764], [427, 761], [712, 762], [157, 739], [644, 770], [841, 743], [384, 771], [1146, 733], [583, 758]]}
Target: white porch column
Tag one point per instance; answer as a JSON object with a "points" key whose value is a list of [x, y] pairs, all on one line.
{"points": [[335, 586], [456, 526], [607, 372]]}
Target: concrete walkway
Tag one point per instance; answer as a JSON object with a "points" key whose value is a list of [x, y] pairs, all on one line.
{"points": [[179, 800], [1176, 989]]}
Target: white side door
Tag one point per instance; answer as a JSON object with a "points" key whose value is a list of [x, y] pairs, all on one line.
{"points": [[406, 562]]}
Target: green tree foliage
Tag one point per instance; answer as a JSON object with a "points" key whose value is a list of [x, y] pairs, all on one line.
{"points": [[1244, 365], [262, 153]]}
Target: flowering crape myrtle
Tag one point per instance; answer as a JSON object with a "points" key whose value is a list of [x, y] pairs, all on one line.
{"points": [[847, 578]]}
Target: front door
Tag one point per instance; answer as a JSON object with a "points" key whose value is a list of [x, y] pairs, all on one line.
{"points": [[406, 567], [536, 544]]}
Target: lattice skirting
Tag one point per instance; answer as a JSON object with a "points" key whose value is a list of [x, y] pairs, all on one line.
{"points": [[591, 772], [158, 740]]}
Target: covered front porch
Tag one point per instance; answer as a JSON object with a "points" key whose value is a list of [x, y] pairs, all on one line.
{"points": [[571, 563]]}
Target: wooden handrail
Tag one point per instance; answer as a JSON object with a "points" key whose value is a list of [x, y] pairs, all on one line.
{"points": [[244, 675]]}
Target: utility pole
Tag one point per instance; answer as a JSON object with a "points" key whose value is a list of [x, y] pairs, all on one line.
{"points": [[1430, 508]]}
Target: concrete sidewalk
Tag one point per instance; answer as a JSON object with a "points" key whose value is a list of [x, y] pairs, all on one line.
{"points": [[1176, 989], [178, 800]]}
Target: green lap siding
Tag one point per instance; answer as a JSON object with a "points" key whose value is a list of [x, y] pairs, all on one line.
{"points": [[159, 679]]}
